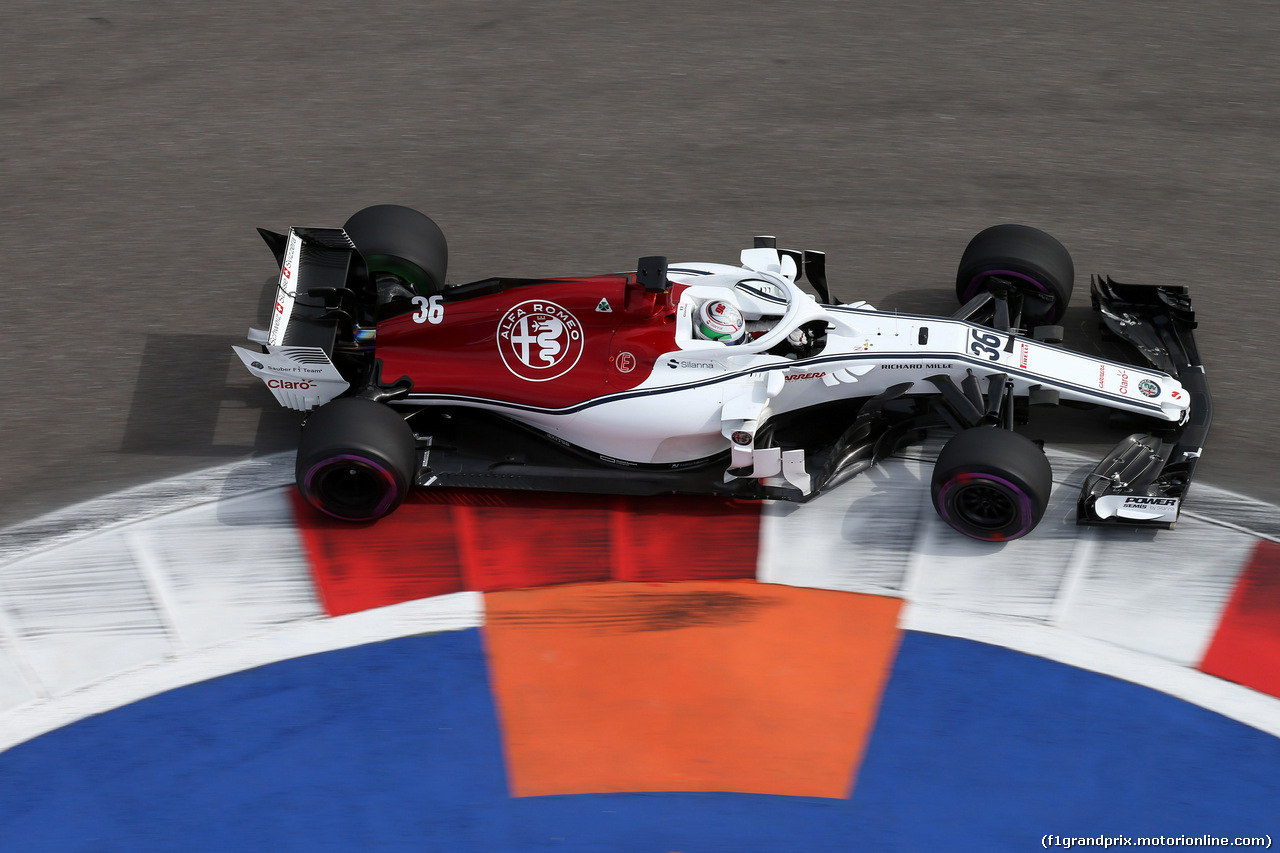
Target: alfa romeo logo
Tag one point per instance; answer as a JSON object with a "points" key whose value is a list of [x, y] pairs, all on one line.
{"points": [[1149, 388], [539, 340]]}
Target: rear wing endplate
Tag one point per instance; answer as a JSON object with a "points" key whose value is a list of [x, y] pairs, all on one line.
{"points": [[300, 378], [314, 259], [296, 361]]}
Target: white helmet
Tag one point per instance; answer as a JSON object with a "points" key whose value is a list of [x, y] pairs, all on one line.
{"points": [[719, 320]]}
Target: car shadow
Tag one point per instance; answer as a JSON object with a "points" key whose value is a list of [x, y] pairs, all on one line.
{"points": [[193, 398]]}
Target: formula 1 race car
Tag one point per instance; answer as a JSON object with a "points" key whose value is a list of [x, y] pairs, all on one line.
{"points": [[710, 378]]}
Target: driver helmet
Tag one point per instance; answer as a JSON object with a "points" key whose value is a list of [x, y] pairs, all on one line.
{"points": [[719, 320]]}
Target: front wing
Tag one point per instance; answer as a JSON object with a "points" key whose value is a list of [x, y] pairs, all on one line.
{"points": [[1145, 478]]}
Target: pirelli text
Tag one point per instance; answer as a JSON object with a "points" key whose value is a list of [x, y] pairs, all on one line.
{"points": [[1067, 841]]}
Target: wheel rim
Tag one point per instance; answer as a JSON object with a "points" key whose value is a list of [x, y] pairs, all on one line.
{"points": [[1038, 293], [410, 273], [975, 283], [351, 487], [987, 507]]}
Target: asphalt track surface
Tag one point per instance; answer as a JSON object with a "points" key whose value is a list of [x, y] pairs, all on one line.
{"points": [[141, 144]]}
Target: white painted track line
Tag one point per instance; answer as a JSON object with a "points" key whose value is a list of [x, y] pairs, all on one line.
{"points": [[143, 503], [1138, 605], [210, 559], [81, 613], [186, 579], [297, 639], [1160, 593]]}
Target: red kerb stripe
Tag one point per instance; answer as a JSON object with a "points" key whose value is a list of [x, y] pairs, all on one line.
{"points": [[443, 541], [1246, 647]]}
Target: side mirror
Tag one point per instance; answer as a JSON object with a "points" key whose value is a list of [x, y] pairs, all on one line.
{"points": [[651, 272]]}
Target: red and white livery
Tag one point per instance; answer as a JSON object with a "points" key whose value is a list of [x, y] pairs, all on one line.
{"points": [[709, 377]]}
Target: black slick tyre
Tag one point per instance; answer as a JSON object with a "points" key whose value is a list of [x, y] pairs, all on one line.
{"points": [[991, 484], [356, 459], [1038, 265], [402, 242]]}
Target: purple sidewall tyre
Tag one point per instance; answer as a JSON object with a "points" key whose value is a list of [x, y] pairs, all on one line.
{"points": [[356, 459], [978, 281], [1038, 265], [351, 487], [991, 484], [1010, 511]]}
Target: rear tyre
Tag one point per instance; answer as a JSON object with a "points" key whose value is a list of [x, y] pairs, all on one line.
{"points": [[356, 459], [991, 484], [402, 242], [1038, 265]]}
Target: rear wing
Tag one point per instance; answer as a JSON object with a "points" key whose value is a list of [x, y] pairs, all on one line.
{"points": [[318, 266]]}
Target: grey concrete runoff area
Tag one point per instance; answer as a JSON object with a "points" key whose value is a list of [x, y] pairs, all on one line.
{"points": [[141, 143]]}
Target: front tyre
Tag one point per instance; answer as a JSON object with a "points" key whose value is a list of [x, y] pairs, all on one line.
{"points": [[991, 484], [356, 459], [1037, 265]]}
